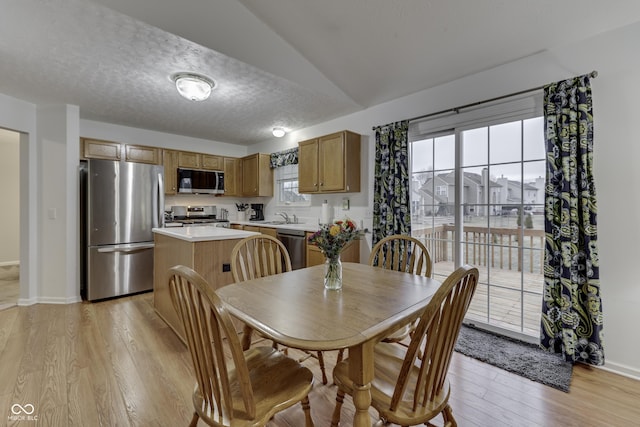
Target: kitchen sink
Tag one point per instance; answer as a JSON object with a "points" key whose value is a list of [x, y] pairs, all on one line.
{"points": [[274, 222]]}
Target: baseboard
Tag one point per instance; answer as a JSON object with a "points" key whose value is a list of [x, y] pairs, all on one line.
{"points": [[620, 369], [49, 300]]}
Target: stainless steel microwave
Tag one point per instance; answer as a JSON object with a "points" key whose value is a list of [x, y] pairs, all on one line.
{"points": [[199, 181]]}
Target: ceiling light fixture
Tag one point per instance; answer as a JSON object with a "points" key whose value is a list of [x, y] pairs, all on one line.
{"points": [[194, 87], [278, 132]]}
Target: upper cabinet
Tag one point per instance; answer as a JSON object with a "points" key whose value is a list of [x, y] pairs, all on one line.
{"points": [[257, 175], [191, 160], [98, 149], [170, 162], [330, 164], [232, 176], [95, 149]]}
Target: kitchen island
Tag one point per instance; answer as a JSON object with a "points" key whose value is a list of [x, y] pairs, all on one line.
{"points": [[206, 249]]}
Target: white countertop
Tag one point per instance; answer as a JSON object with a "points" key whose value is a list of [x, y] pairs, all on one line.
{"points": [[303, 227], [203, 233]]}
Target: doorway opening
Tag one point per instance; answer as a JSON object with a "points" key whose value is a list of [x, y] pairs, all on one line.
{"points": [[10, 218]]}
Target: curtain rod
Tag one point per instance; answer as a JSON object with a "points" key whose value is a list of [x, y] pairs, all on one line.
{"points": [[592, 74]]}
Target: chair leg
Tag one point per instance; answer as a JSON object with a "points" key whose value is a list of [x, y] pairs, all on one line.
{"points": [[340, 356], [335, 418], [246, 337], [306, 407], [447, 415], [194, 420], [321, 362]]}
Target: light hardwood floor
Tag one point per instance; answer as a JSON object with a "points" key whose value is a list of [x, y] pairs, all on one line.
{"points": [[115, 363]]}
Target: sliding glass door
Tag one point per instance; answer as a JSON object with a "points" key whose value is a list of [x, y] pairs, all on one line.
{"points": [[478, 198]]}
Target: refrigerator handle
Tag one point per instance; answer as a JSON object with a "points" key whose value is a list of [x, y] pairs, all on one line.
{"points": [[127, 248], [160, 200]]}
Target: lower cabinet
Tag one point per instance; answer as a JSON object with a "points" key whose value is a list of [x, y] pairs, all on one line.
{"points": [[351, 253], [263, 230], [209, 258]]}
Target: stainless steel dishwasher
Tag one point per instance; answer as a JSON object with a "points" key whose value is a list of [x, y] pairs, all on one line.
{"points": [[295, 242]]}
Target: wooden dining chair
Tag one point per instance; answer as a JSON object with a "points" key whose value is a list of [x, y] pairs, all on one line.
{"points": [[400, 252], [243, 389], [259, 256], [410, 386]]}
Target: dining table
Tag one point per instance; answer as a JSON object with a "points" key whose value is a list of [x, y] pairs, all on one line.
{"points": [[294, 309]]}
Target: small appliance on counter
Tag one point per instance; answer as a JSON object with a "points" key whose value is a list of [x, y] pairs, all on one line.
{"points": [[257, 212], [190, 216]]}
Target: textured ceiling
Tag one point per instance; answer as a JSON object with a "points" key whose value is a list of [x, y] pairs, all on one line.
{"points": [[292, 63]]}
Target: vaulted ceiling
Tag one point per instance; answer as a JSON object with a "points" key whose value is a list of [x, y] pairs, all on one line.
{"points": [[289, 63]]}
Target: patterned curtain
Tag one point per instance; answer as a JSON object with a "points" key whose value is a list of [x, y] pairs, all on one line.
{"points": [[572, 308], [391, 192], [284, 158]]}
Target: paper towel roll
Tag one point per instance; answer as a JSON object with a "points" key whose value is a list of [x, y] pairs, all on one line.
{"points": [[325, 217]]}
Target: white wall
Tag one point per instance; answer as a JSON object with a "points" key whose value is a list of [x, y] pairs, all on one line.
{"points": [[616, 108], [59, 144], [10, 197], [613, 54]]}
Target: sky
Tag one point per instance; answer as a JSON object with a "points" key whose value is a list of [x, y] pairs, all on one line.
{"points": [[503, 145]]}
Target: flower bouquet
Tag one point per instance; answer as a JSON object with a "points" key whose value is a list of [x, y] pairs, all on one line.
{"points": [[331, 240]]}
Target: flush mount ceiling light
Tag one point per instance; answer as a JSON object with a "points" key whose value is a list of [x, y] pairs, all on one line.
{"points": [[278, 132], [194, 87]]}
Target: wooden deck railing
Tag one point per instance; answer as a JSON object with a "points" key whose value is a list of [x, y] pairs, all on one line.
{"points": [[504, 251]]}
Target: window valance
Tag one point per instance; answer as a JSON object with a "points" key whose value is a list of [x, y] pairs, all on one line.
{"points": [[284, 158]]}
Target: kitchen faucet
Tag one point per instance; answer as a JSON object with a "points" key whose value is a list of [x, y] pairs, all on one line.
{"points": [[285, 216]]}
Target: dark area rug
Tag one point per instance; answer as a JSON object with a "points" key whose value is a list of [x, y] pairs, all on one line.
{"points": [[524, 359]]}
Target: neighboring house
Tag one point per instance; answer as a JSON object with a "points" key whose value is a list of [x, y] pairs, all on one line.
{"points": [[438, 191], [513, 191]]}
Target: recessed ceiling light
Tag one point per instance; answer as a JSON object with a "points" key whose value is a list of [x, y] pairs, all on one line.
{"points": [[194, 87], [278, 132]]}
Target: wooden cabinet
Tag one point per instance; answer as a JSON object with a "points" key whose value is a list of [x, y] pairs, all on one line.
{"points": [[142, 154], [96, 149], [351, 253], [170, 162], [271, 231], [109, 150], [232, 176], [212, 162], [257, 176], [187, 159], [330, 164], [209, 258]]}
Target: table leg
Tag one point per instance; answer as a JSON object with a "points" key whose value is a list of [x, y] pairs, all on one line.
{"points": [[361, 373]]}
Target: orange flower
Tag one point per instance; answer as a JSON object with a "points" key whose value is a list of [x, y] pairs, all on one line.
{"points": [[332, 238]]}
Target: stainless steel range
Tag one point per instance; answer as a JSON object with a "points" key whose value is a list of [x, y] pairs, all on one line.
{"points": [[193, 216]]}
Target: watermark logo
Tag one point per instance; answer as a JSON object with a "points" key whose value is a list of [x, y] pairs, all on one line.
{"points": [[22, 412]]}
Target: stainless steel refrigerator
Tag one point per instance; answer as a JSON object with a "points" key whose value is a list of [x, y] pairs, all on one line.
{"points": [[120, 203]]}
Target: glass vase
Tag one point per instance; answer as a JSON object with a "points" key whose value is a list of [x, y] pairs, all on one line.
{"points": [[333, 273]]}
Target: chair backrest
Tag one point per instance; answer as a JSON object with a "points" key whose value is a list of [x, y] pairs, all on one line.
{"points": [[401, 253], [209, 330], [434, 338], [258, 256]]}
